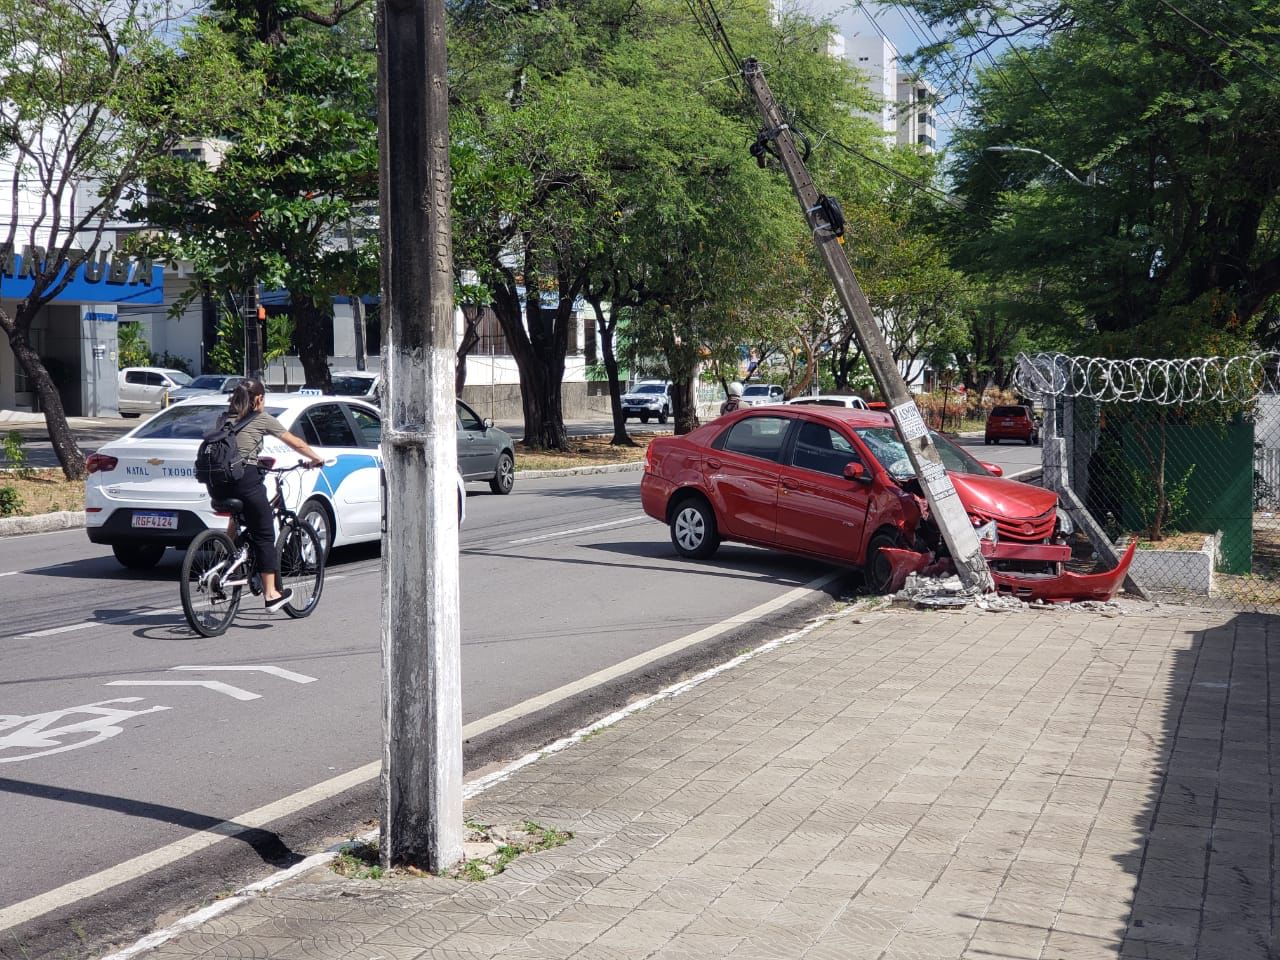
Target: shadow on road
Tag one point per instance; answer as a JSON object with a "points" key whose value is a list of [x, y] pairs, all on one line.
{"points": [[264, 843]]}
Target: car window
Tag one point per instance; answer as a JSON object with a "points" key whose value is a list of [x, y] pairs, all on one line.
{"points": [[207, 383], [178, 377], [759, 391], [352, 386], [651, 388], [1008, 411], [885, 446], [329, 426], [154, 380], [135, 376], [467, 419], [368, 425], [186, 421], [822, 449], [760, 437]]}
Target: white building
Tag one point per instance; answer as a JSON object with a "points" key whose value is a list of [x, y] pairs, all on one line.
{"points": [[917, 123]]}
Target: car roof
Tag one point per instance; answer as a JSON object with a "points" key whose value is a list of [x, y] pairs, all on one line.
{"points": [[853, 416], [286, 400], [842, 397]]}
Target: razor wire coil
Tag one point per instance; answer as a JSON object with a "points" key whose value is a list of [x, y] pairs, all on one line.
{"points": [[1165, 382]]}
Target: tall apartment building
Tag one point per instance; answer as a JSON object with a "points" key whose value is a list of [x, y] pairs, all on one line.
{"points": [[917, 124]]}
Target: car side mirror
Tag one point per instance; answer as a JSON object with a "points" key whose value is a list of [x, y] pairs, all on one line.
{"points": [[856, 472], [486, 423], [992, 468]]}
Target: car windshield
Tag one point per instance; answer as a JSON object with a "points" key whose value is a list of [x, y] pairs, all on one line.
{"points": [[650, 388], [178, 377], [352, 386], [186, 421], [884, 444], [760, 391], [207, 383], [1008, 412]]}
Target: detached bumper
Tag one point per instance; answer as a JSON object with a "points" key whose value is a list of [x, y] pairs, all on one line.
{"points": [[1062, 587]]}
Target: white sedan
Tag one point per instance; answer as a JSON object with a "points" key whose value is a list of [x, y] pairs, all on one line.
{"points": [[142, 494]]}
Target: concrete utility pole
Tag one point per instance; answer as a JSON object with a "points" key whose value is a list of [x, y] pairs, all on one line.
{"points": [[422, 703], [944, 503]]}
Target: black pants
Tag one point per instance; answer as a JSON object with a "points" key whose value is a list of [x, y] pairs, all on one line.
{"points": [[258, 517]]}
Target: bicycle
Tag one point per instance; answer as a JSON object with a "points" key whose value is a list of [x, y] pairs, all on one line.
{"points": [[217, 569]]}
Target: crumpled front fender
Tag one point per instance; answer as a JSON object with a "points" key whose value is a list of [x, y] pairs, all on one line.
{"points": [[1066, 586], [1062, 588]]}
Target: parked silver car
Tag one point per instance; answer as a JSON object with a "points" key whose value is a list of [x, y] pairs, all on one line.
{"points": [[143, 389], [484, 451], [205, 385]]}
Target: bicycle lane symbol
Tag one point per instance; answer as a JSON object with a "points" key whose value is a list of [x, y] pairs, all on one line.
{"points": [[43, 734]]}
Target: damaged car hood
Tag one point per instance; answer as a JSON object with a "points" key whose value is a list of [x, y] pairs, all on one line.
{"points": [[994, 496]]}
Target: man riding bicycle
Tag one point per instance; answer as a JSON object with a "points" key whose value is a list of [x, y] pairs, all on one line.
{"points": [[246, 405]]}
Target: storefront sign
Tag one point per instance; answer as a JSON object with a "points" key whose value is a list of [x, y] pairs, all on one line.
{"points": [[109, 278]]}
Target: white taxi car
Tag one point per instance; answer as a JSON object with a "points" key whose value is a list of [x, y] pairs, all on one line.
{"points": [[142, 494]]}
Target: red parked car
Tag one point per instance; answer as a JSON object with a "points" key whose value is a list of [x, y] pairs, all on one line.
{"points": [[1012, 423], [835, 483]]}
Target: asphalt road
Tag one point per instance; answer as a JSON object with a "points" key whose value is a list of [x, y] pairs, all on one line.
{"points": [[122, 734]]}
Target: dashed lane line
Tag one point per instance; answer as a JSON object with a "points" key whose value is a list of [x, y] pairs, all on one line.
{"points": [[568, 533], [89, 624]]}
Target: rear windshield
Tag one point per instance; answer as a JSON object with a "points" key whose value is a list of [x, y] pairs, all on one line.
{"points": [[1009, 411], [186, 421], [352, 386], [761, 391]]}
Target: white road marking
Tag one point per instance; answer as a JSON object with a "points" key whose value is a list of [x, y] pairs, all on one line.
{"points": [[89, 624], [569, 533], [12, 573], [215, 685], [144, 863], [36, 731], [280, 672]]}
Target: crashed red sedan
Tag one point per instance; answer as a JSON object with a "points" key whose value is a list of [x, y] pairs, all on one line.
{"points": [[835, 483]]}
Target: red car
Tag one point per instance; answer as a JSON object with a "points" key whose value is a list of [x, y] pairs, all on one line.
{"points": [[835, 483], [1011, 423]]}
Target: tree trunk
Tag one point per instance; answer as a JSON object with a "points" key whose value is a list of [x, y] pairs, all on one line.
{"points": [[471, 314], [684, 404], [605, 329], [64, 442], [311, 334]]}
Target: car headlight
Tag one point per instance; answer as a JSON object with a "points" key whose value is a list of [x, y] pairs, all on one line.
{"points": [[1065, 526]]}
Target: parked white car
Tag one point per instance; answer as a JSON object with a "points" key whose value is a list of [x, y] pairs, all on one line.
{"points": [[142, 494], [761, 394], [648, 398], [143, 389], [833, 400]]}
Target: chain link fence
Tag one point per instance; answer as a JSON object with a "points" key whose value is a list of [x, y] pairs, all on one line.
{"points": [[1182, 456]]}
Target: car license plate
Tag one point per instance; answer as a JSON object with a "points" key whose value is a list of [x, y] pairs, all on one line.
{"points": [[155, 519]]}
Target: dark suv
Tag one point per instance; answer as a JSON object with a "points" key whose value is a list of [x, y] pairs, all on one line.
{"points": [[1012, 423]]}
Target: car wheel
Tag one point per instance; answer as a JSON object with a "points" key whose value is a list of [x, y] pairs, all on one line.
{"points": [[316, 515], [504, 478], [1030, 440], [138, 556], [693, 529], [662, 417], [987, 441], [878, 573], [644, 417]]}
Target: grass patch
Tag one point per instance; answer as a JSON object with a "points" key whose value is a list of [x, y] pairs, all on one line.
{"points": [[502, 845], [42, 491], [359, 861], [583, 452]]}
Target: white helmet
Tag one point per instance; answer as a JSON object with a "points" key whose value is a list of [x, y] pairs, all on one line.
{"points": [[735, 389]]}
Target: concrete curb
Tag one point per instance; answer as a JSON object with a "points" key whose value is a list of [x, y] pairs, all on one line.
{"points": [[45, 523], [629, 467]]}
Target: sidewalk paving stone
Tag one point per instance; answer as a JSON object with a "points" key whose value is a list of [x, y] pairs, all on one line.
{"points": [[934, 786]]}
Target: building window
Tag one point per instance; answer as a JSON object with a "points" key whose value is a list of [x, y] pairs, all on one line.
{"points": [[926, 140]]}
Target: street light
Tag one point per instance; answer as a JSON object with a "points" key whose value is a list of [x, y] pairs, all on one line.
{"points": [[1090, 181]]}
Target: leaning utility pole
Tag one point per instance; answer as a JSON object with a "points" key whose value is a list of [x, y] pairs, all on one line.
{"points": [[819, 213], [422, 703]]}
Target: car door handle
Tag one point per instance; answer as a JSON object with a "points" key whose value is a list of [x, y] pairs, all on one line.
{"points": [[713, 463], [790, 484]]}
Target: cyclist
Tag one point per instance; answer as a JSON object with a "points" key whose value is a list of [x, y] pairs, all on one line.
{"points": [[248, 398]]}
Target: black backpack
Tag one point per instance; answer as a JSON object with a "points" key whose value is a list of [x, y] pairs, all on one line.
{"points": [[218, 461]]}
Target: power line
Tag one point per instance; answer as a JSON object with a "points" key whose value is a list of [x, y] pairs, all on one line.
{"points": [[1221, 39]]}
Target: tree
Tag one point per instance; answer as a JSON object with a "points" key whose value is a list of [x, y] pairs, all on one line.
{"points": [[91, 91], [1177, 210], [131, 346], [299, 169]]}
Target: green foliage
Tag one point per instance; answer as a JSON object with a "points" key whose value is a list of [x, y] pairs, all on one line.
{"points": [[132, 349], [1160, 501], [227, 353], [1170, 247], [171, 362], [15, 454], [10, 501]]}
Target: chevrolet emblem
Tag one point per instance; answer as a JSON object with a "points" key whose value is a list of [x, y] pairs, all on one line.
{"points": [[155, 461]]}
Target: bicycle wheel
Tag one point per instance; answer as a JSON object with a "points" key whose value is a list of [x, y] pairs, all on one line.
{"points": [[301, 567], [209, 608]]}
